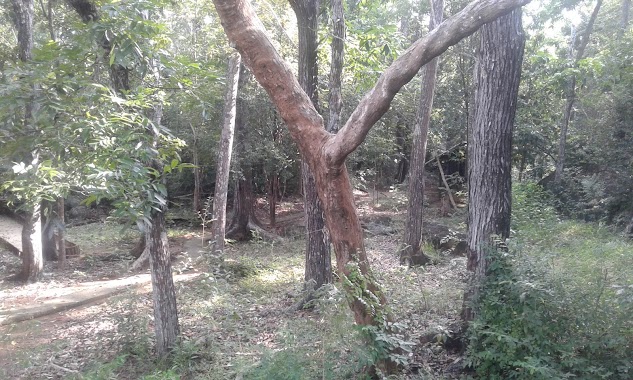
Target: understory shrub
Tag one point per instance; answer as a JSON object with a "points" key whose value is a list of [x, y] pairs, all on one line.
{"points": [[536, 323]]}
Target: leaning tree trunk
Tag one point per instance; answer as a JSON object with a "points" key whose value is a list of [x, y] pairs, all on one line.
{"points": [[218, 228], [570, 91], [325, 153], [318, 267], [411, 251], [498, 74]]}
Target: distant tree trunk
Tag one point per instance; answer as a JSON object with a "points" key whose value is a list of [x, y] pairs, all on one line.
{"points": [[411, 251], [218, 227], [32, 258], [243, 221], [624, 21], [570, 92], [335, 98], [498, 75], [197, 173], [61, 232], [318, 268]]}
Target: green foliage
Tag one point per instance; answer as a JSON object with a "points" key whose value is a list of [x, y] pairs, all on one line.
{"points": [[559, 306]]}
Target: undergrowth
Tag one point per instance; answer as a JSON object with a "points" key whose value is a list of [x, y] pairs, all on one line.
{"points": [[559, 305]]}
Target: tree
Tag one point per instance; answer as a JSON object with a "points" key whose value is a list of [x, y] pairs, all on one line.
{"points": [[335, 98], [570, 91], [326, 153], [411, 252], [318, 263], [32, 259], [497, 77], [224, 154]]}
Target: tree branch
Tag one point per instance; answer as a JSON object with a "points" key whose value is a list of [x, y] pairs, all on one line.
{"points": [[402, 70]]}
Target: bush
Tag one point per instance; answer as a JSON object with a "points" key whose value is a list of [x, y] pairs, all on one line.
{"points": [[530, 326]]}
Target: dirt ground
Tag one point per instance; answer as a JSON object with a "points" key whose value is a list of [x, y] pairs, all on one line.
{"points": [[233, 316]]}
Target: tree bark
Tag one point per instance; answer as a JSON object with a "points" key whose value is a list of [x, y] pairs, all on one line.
{"points": [[218, 228], [568, 110], [335, 98], [318, 261], [411, 252], [32, 257], [197, 173], [497, 79], [325, 153], [166, 326], [61, 232]]}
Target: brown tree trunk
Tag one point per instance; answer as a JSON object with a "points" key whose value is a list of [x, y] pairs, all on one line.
{"points": [[568, 111], [411, 251], [218, 227], [326, 153], [318, 267], [498, 74]]}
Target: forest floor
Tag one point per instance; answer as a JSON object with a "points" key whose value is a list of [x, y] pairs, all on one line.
{"points": [[236, 313]]}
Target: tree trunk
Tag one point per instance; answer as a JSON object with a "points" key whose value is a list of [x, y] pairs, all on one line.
{"points": [[218, 228], [197, 174], [335, 99], [318, 268], [411, 251], [61, 232], [325, 153], [568, 111], [32, 258], [166, 324], [498, 74], [624, 21]]}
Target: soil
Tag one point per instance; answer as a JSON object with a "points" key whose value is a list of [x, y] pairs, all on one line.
{"points": [[69, 343]]}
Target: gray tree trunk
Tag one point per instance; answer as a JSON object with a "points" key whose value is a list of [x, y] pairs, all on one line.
{"points": [[218, 227], [318, 267], [335, 98], [32, 258], [411, 251], [497, 83]]}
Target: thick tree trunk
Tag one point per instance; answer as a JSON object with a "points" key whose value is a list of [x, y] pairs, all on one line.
{"points": [[218, 228], [318, 267], [326, 153], [411, 251], [568, 111], [498, 74]]}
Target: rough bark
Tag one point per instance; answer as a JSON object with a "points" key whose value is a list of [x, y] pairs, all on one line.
{"points": [[568, 110], [326, 153], [166, 324], [411, 251], [498, 74], [318, 261], [225, 151], [335, 99]]}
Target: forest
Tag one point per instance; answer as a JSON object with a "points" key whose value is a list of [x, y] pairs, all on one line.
{"points": [[306, 189]]}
